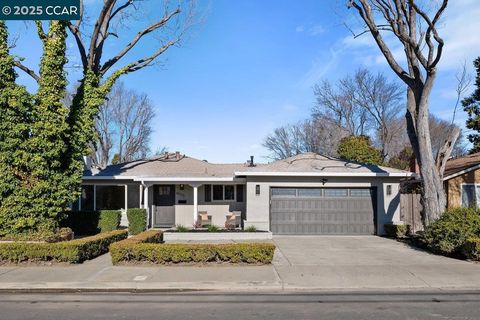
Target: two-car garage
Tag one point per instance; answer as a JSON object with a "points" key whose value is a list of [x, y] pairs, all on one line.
{"points": [[326, 211]]}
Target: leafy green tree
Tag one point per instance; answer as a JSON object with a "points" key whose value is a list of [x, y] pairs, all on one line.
{"points": [[359, 149], [403, 160], [42, 141], [471, 105]]}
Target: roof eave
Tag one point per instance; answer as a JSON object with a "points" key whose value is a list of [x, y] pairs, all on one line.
{"points": [[329, 174], [459, 173]]}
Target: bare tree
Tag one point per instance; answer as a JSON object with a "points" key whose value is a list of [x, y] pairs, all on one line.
{"points": [[320, 135], [423, 49], [338, 103], [383, 100], [124, 126]]}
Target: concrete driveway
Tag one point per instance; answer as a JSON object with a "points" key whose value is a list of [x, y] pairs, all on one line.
{"points": [[338, 262]]}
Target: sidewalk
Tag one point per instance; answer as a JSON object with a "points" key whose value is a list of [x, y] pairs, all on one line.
{"points": [[100, 275]]}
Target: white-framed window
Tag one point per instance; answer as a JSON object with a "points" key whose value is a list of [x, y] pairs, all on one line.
{"points": [[470, 195], [221, 192]]}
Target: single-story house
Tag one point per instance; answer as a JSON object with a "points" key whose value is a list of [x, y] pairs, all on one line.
{"points": [[462, 181], [303, 194]]}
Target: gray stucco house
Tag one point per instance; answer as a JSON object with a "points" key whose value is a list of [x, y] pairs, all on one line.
{"points": [[304, 194]]}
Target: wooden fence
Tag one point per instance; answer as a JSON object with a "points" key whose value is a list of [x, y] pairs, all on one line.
{"points": [[411, 211]]}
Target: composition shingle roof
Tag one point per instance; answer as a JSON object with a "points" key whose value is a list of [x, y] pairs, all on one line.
{"points": [[457, 165], [180, 166], [316, 163], [171, 166]]}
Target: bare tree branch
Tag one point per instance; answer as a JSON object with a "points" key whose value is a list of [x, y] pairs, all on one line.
{"points": [[27, 70], [137, 38]]}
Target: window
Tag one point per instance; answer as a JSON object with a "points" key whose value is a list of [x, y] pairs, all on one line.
{"points": [[87, 198], [133, 193], [257, 190], [208, 193], [470, 195], [217, 192], [284, 192], [389, 190], [310, 192], [164, 190], [363, 192], [224, 192], [336, 192], [239, 192], [110, 197]]}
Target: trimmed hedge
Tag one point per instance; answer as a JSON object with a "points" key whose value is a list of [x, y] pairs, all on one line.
{"points": [[109, 220], [92, 222], [471, 249], [137, 220], [82, 222], [74, 251], [395, 230], [198, 253], [449, 233]]}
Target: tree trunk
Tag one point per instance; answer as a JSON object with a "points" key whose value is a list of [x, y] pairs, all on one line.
{"points": [[433, 195]]}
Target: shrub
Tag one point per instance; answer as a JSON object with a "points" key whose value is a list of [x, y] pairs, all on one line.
{"points": [[75, 251], [62, 234], [109, 220], [395, 230], [81, 222], [212, 228], [137, 220], [251, 228], [186, 253], [448, 234], [471, 249], [181, 228]]}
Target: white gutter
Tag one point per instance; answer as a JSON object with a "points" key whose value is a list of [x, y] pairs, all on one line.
{"points": [[188, 179], [109, 178], [461, 172], [326, 174]]}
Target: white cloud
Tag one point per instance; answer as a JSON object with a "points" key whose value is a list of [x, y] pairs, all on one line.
{"points": [[316, 30], [313, 30]]}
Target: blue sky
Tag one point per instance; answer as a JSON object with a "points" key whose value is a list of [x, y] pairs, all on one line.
{"points": [[250, 66]]}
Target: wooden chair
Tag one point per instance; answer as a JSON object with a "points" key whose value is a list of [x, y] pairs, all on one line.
{"points": [[234, 218], [204, 218]]}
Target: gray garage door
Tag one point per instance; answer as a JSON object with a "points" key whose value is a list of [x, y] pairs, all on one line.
{"points": [[322, 211]]}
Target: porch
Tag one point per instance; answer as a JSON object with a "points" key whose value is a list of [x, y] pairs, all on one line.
{"points": [[180, 203]]}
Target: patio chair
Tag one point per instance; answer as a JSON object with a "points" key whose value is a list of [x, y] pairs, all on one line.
{"points": [[234, 218], [204, 218]]}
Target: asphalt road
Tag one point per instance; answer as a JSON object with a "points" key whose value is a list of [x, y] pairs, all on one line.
{"points": [[207, 305]]}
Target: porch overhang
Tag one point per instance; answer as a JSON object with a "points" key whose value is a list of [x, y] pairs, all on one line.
{"points": [[190, 179]]}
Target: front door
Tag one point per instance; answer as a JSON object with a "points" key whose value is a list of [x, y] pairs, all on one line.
{"points": [[164, 205]]}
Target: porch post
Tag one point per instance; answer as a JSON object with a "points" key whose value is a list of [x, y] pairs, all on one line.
{"points": [[145, 204], [126, 198], [94, 197], [195, 200], [195, 203]]}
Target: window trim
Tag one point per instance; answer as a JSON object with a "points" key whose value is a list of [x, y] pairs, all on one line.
{"points": [[477, 196], [223, 193]]}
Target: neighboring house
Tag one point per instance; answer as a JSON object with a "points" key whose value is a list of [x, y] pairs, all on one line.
{"points": [[462, 181], [304, 194]]}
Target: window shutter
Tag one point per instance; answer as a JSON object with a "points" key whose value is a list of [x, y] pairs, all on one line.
{"points": [[208, 193], [239, 192]]}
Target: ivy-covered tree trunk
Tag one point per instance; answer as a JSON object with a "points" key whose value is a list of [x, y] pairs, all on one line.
{"points": [[15, 111], [51, 187]]}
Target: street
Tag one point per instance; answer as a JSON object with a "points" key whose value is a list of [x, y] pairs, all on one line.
{"points": [[215, 305]]}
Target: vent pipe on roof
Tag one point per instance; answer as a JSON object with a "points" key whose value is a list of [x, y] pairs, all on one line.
{"points": [[251, 163]]}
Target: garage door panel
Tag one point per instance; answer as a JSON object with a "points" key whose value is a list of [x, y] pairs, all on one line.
{"points": [[322, 211]]}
